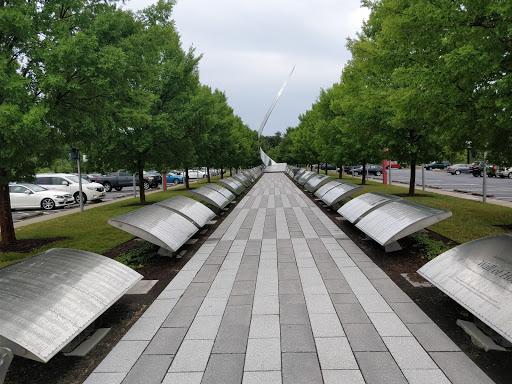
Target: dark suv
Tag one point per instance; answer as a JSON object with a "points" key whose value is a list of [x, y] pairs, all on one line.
{"points": [[437, 165], [477, 169]]}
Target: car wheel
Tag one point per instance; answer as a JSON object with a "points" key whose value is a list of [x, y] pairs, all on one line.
{"points": [[427, 168], [204, 176], [502, 176], [481, 173], [146, 185], [476, 174], [457, 172], [107, 186], [47, 204], [355, 173], [175, 181], [510, 175], [77, 198], [378, 173], [118, 189]]}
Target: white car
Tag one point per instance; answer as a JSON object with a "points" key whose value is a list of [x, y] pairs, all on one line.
{"points": [[196, 174], [68, 183], [504, 172], [25, 196]]}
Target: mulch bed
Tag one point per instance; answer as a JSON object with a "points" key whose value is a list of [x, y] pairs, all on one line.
{"points": [[123, 314], [27, 245]]}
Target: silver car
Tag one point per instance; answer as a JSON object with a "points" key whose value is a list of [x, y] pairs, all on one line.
{"points": [[457, 169]]}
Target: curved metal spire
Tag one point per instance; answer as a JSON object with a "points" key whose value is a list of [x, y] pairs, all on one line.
{"points": [[273, 104]]}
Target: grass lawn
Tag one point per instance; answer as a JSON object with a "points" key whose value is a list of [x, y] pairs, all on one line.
{"points": [[89, 230]]}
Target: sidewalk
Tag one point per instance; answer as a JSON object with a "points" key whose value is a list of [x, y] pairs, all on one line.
{"points": [[279, 294]]}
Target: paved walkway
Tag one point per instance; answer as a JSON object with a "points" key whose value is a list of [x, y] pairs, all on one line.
{"points": [[279, 294]]}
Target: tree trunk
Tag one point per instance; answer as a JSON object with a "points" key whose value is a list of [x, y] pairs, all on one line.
{"points": [[318, 168], [6, 224], [412, 180], [221, 172], [230, 171], [142, 192], [363, 180], [208, 172], [187, 184], [326, 168], [340, 173]]}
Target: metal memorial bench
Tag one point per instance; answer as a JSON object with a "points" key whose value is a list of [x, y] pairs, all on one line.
{"points": [[211, 196], [299, 173], [249, 175], [320, 192], [316, 182], [246, 182], [49, 300], [199, 214], [233, 185], [478, 276], [358, 207], [158, 225], [305, 177], [392, 221], [338, 192], [223, 191]]}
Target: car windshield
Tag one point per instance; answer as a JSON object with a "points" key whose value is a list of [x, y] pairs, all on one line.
{"points": [[35, 188], [74, 179]]}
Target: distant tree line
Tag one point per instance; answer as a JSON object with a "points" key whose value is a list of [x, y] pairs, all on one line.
{"points": [[113, 83], [426, 77]]}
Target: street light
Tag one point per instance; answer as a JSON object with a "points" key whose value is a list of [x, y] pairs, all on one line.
{"points": [[468, 145]]}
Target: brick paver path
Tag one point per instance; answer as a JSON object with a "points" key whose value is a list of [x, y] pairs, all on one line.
{"points": [[279, 294]]}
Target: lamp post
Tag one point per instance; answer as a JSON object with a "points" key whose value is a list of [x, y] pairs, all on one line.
{"points": [[468, 146]]}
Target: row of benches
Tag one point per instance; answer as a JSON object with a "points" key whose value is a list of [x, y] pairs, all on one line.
{"points": [[49, 300], [383, 217]]}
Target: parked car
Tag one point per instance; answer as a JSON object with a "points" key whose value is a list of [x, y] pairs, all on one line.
{"points": [[330, 167], [122, 178], [196, 174], [437, 165], [393, 165], [504, 172], [25, 195], [371, 168], [457, 169], [68, 183], [156, 174], [174, 179], [477, 169]]}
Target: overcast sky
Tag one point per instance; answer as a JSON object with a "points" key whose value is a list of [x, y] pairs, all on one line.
{"points": [[250, 47]]}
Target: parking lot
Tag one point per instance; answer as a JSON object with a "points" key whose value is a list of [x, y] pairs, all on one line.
{"points": [[500, 188]]}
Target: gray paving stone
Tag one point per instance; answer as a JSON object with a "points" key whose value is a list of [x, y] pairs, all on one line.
{"points": [[224, 368], [432, 338], [250, 260], [410, 313], [337, 286], [231, 339], [379, 368], [364, 338], [291, 298], [180, 317], [206, 274], [266, 305], [301, 368], [373, 303], [204, 328], [388, 324], [183, 378], [247, 272], [144, 329], [351, 314], [293, 313], [288, 273], [265, 327], [459, 368], [240, 300], [343, 298], [297, 338], [166, 341], [195, 302], [212, 306], [237, 315], [244, 287], [196, 290], [149, 369], [374, 273], [286, 258]]}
